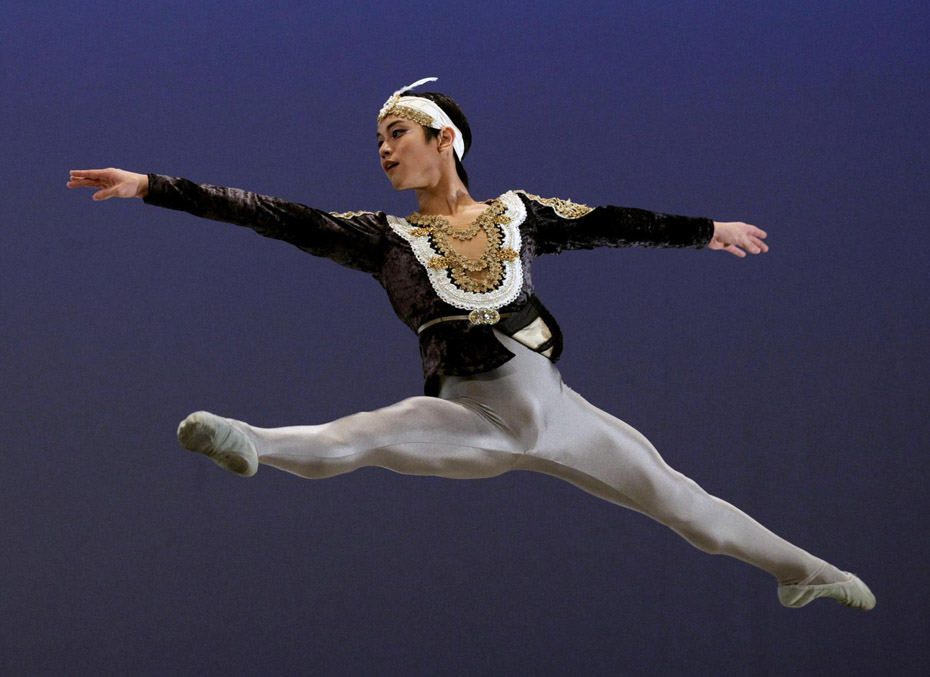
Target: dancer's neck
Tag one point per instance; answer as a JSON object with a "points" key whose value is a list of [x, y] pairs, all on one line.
{"points": [[447, 198]]}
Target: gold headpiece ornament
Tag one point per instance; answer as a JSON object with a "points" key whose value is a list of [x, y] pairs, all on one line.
{"points": [[423, 112]]}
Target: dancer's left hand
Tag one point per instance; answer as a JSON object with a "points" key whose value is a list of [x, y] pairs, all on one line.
{"points": [[738, 238]]}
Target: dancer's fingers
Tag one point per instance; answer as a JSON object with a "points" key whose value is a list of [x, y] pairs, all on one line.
{"points": [[757, 242], [733, 249], [749, 246], [77, 183], [90, 178], [750, 238], [86, 173], [98, 177], [753, 245]]}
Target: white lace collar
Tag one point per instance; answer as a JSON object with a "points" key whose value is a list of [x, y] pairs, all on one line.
{"points": [[440, 278]]}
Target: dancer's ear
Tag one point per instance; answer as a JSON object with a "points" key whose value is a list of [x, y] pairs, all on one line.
{"points": [[446, 139]]}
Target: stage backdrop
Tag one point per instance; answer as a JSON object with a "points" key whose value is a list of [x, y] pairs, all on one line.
{"points": [[792, 384]]}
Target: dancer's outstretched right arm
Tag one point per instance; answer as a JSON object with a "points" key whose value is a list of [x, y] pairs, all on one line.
{"points": [[353, 240]]}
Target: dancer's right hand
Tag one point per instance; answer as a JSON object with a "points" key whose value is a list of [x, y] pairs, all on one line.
{"points": [[115, 182]]}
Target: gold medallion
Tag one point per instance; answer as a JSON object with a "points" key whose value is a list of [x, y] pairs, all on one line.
{"points": [[484, 316]]}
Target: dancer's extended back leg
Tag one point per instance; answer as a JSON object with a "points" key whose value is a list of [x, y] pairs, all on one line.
{"points": [[456, 438]]}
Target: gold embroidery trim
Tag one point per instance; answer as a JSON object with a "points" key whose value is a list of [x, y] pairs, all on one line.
{"points": [[348, 215], [413, 114], [458, 265], [564, 208]]}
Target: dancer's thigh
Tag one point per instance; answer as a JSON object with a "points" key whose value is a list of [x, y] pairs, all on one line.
{"points": [[608, 458], [458, 438]]}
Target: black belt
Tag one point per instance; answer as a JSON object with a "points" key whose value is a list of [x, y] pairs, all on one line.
{"points": [[450, 318]]}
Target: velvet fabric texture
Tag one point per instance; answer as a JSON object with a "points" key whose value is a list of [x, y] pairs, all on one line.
{"points": [[364, 241]]}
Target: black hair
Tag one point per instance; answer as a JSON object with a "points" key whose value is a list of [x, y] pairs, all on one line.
{"points": [[452, 109]]}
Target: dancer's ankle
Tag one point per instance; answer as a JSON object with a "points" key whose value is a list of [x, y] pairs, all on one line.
{"points": [[823, 573], [809, 577]]}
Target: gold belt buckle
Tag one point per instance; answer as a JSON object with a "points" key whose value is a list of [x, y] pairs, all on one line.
{"points": [[484, 316]]}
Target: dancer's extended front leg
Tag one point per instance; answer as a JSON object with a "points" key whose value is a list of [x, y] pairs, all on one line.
{"points": [[456, 438], [608, 458]]}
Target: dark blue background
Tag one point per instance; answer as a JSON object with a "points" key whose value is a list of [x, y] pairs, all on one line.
{"points": [[792, 384]]}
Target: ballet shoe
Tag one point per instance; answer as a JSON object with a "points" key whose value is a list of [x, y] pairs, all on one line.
{"points": [[219, 440], [851, 592]]}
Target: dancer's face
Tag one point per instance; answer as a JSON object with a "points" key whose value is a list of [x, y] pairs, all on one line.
{"points": [[408, 159]]}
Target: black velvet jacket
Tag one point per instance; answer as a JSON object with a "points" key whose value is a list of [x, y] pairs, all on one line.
{"points": [[396, 255]]}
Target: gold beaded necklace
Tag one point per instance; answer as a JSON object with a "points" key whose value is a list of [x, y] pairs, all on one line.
{"points": [[440, 230]]}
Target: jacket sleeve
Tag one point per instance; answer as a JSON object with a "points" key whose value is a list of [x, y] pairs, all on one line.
{"points": [[353, 240], [563, 225]]}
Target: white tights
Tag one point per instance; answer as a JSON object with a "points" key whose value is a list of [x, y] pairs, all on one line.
{"points": [[521, 416]]}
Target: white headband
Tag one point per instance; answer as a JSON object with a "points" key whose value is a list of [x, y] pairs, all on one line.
{"points": [[422, 111]]}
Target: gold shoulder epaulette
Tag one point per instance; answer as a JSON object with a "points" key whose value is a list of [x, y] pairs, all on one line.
{"points": [[564, 208]]}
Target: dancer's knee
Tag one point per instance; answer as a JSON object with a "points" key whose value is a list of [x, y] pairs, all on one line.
{"points": [[688, 509]]}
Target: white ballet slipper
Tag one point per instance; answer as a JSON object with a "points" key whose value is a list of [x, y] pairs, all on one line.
{"points": [[218, 439], [851, 592]]}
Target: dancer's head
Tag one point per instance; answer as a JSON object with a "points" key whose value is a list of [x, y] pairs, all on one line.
{"points": [[421, 135]]}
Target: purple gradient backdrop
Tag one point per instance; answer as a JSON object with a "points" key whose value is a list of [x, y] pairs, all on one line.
{"points": [[793, 384]]}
